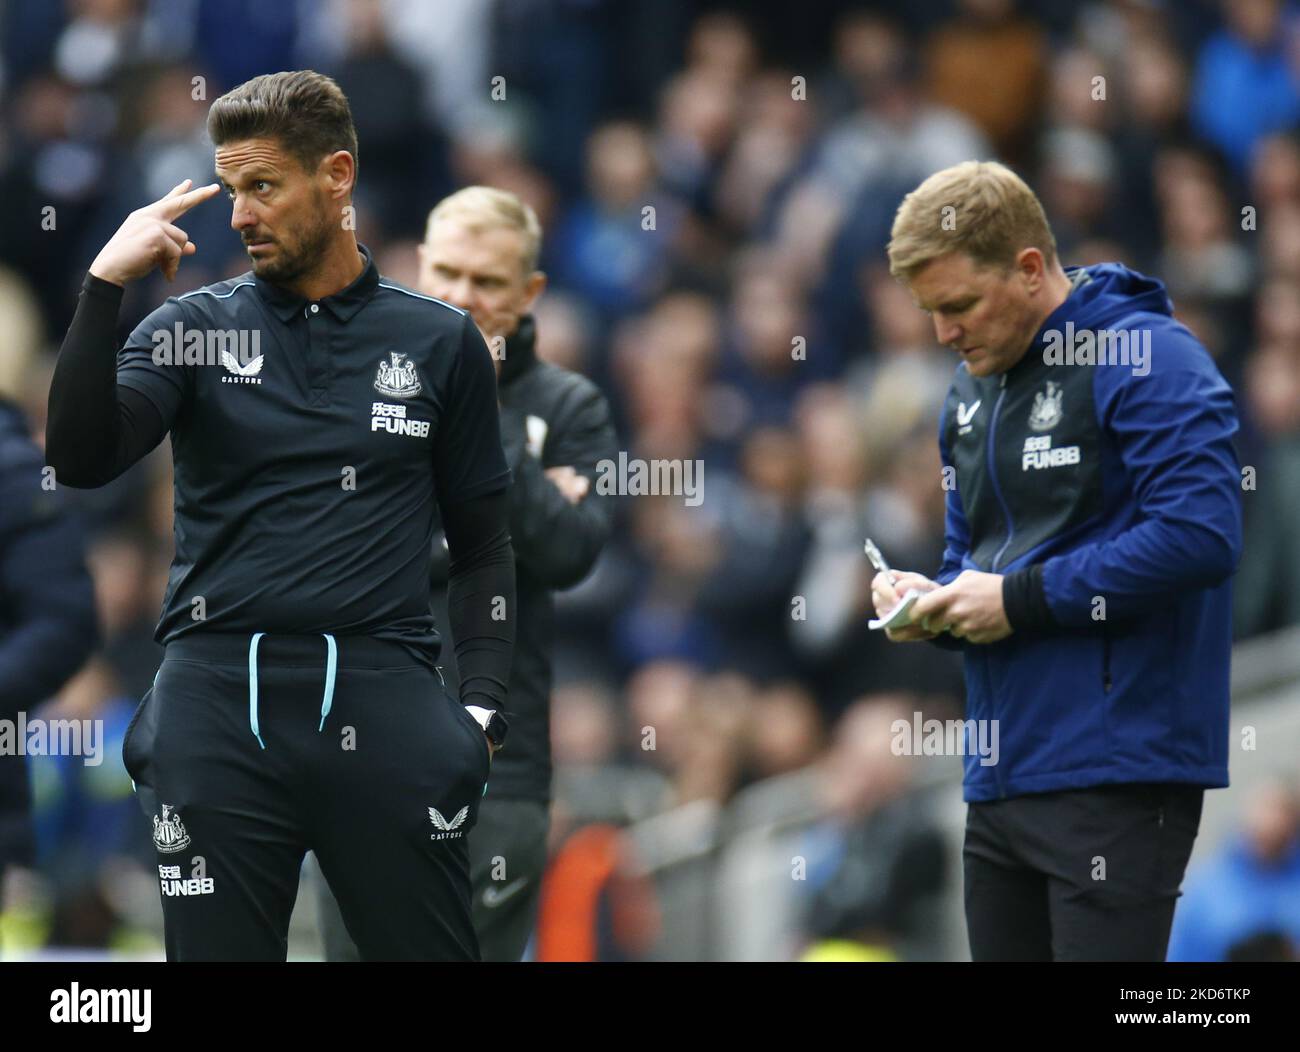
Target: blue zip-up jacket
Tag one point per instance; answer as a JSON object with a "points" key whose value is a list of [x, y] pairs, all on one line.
{"points": [[1109, 495]]}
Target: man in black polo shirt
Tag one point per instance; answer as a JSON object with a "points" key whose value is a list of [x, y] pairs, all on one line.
{"points": [[317, 412]]}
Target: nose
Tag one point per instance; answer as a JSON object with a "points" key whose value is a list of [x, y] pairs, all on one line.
{"points": [[460, 293], [241, 216], [946, 332]]}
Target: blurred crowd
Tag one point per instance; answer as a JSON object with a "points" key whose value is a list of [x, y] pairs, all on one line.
{"points": [[716, 185]]}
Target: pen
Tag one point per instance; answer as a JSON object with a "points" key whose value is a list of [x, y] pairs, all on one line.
{"points": [[877, 560]]}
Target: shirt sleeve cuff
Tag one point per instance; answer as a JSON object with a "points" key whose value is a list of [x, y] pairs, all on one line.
{"points": [[102, 289], [1025, 601]]}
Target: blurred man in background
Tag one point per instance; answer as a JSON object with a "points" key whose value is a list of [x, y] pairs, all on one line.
{"points": [[480, 254], [1243, 903], [876, 861], [47, 608]]}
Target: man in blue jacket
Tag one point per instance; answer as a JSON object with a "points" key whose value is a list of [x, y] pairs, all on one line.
{"points": [[1093, 526]]}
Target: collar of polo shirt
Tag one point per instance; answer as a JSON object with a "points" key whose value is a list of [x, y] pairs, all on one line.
{"points": [[343, 305]]}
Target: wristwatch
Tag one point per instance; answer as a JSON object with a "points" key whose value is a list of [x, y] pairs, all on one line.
{"points": [[493, 723]]}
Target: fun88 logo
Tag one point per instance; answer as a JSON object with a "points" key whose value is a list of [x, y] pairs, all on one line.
{"points": [[384, 416]]}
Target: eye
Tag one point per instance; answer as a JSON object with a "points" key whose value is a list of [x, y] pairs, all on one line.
{"points": [[262, 185]]}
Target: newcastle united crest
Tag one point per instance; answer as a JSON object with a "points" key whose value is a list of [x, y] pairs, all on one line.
{"points": [[168, 832], [396, 378], [1046, 411]]}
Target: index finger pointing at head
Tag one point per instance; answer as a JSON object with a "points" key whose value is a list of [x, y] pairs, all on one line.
{"points": [[172, 207]]}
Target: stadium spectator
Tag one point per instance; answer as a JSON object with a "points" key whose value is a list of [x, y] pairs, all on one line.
{"points": [[876, 864], [47, 604], [1249, 888]]}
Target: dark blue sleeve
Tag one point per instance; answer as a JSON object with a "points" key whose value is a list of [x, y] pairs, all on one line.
{"points": [[956, 532], [468, 460], [1174, 432], [47, 603]]}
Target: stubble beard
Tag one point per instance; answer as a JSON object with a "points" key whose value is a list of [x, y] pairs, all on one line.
{"points": [[289, 266]]}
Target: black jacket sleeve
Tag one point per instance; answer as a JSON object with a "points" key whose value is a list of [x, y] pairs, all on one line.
{"points": [[96, 428], [557, 542], [481, 596]]}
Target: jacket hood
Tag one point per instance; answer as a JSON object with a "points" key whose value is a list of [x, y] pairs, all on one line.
{"points": [[1106, 293]]}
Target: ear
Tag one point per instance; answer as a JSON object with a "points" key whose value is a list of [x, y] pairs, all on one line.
{"points": [[1032, 268], [340, 171], [533, 288]]}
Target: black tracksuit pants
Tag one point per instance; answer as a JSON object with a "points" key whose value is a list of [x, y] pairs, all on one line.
{"points": [[1078, 875], [250, 750]]}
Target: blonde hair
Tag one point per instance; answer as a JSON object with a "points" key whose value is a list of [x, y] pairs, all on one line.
{"points": [[487, 208], [979, 208], [21, 333]]}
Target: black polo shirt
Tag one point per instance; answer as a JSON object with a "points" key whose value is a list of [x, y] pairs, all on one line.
{"points": [[310, 441]]}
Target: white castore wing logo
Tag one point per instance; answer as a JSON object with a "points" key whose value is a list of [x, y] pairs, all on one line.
{"points": [[1046, 411], [232, 364], [448, 828], [435, 816], [965, 416]]}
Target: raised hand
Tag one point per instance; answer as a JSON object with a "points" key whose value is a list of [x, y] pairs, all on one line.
{"points": [[149, 238]]}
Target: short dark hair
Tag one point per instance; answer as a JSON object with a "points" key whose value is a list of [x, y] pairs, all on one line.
{"points": [[305, 111]]}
